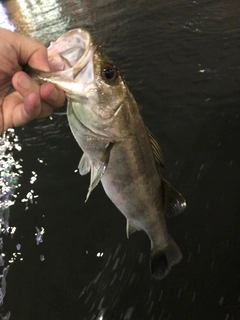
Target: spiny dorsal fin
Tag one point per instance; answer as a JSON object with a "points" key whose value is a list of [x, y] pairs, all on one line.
{"points": [[174, 203], [158, 154], [84, 165]]}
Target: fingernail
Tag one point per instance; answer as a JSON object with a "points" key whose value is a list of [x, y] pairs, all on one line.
{"points": [[24, 81], [54, 95]]}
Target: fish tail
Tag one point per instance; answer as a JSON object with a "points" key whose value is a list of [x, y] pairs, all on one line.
{"points": [[162, 260]]}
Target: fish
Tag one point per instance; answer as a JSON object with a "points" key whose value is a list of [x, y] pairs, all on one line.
{"points": [[118, 149]]}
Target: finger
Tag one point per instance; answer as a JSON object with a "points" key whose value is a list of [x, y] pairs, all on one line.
{"points": [[33, 108], [47, 91], [29, 109], [30, 51], [19, 110], [24, 109], [52, 95], [24, 84], [39, 101]]}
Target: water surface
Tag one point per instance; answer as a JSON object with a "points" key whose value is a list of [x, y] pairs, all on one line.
{"points": [[71, 260]]}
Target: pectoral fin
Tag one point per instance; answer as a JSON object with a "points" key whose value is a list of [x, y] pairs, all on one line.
{"points": [[174, 203], [97, 171], [97, 168], [84, 165], [158, 154]]}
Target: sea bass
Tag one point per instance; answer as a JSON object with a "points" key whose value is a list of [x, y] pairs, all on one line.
{"points": [[118, 149]]}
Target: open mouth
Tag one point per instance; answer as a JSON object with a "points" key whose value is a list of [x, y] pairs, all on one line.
{"points": [[73, 50]]}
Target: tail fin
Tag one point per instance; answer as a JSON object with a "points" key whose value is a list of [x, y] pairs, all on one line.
{"points": [[163, 260]]}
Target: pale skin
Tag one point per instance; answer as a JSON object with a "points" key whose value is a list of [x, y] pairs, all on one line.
{"points": [[21, 98]]}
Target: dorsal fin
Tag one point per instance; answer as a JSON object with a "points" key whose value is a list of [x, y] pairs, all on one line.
{"points": [[174, 203], [158, 154]]}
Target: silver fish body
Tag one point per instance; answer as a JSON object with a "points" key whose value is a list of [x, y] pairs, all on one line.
{"points": [[118, 149]]}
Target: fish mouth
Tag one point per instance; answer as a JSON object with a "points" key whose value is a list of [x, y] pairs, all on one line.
{"points": [[73, 50], [71, 62]]}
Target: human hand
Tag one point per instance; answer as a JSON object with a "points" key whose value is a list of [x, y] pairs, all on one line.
{"points": [[21, 98]]}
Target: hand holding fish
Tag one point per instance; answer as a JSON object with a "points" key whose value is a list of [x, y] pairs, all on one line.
{"points": [[21, 98]]}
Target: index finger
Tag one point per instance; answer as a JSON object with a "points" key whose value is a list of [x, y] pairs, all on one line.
{"points": [[30, 51]]}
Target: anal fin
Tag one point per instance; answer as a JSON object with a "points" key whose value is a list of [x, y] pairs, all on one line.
{"points": [[130, 228]]}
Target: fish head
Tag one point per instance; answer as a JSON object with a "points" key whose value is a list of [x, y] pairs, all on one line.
{"points": [[100, 99], [107, 86], [101, 95], [92, 83]]}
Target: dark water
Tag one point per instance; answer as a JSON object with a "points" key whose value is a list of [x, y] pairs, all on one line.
{"points": [[64, 259]]}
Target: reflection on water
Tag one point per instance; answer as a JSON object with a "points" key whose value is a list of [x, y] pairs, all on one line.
{"points": [[10, 174], [10, 171], [30, 16], [4, 19]]}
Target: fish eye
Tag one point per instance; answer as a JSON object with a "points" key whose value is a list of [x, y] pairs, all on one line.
{"points": [[109, 73]]}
